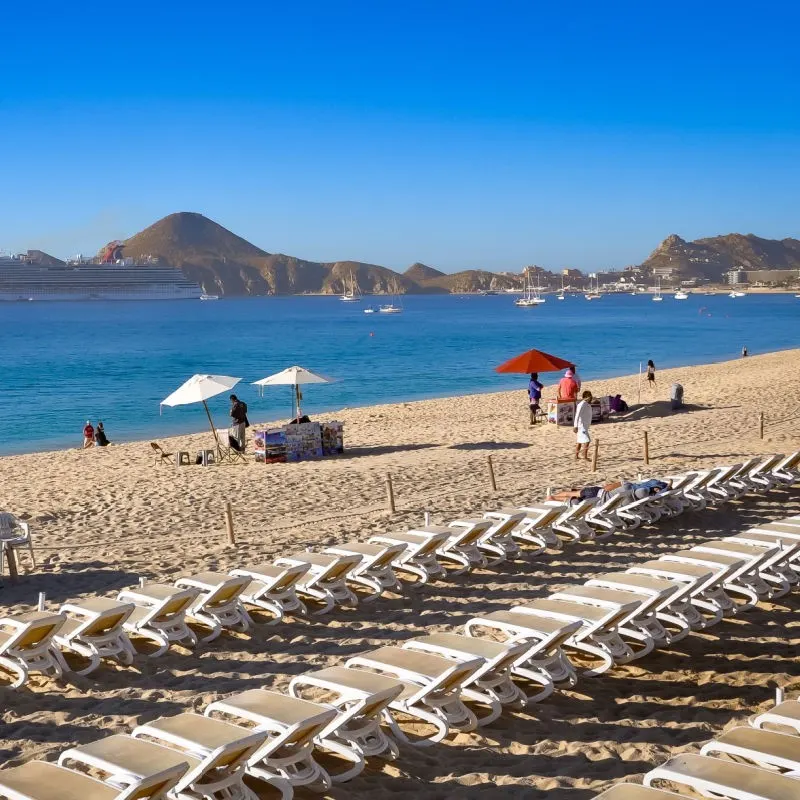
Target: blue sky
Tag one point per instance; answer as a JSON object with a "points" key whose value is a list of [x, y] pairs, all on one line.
{"points": [[460, 134]]}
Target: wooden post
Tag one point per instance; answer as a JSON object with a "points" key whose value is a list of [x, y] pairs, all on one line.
{"points": [[646, 449], [390, 492], [13, 575], [594, 455], [760, 424], [492, 481], [229, 524], [427, 518]]}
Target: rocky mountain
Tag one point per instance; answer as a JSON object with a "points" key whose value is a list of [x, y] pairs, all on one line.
{"points": [[224, 263], [44, 259], [712, 257]]}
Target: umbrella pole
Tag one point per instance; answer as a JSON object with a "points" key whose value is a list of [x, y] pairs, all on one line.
{"points": [[297, 392], [213, 430]]}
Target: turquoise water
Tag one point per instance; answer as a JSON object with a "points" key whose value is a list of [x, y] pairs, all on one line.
{"points": [[64, 363]]}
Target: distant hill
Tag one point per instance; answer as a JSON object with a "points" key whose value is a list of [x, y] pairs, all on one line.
{"points": [[44, 259], [471, 280], [422, 272], [713, 257]]}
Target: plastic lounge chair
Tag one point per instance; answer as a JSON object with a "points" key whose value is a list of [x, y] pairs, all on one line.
{"points": [[459, 545], [290, 726], [374, 571], [544, 661], [741, 478], [723, 485], [696, 492], [632, 791], [272, 588], [705, 584], [419, 557], [159, 614], [603, 516], [433, 687], [93, 629], [498, 542], [571, 525], [785, 714], [41, 780], [14, 534], [362, 699], [738, 576], [789, 553], [493, 678], [762, 578], [599, 634], [672, 603], [223, 750], [778, 750], [643, 626], [636, 512], [218, 603], [718, 777], [762, 477], [26, 645], [161, 456], [537, 527], [326, 577], [787, 470]]}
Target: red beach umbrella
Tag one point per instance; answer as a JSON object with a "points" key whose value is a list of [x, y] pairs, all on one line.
{"points": [[534, 361]]}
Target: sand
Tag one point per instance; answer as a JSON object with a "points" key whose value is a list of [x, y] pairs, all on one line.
{"points": [[102, 518]]}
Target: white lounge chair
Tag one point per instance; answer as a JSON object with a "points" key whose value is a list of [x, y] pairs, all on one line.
{"points": [[544, 661], [374, 571], [783, 568], [218, 604], [26, 645], [537, 527], [572, 523], [94, 629], [718, 777], [159, 614], [420, 554], [362, 699], [273, 588], [223, 750], [326, 577], [762, 477], [764, 578], [498, 542], [784, 715], [778, 750], [41, 780], [433, 688], [788, 470], [493, 678]]}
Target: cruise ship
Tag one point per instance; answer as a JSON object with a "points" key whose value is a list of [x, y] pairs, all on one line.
{"points": [[109, 276]]}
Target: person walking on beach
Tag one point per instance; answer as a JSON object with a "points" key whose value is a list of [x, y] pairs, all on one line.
{"points": [[239, 421], [100, 438], [744, 352], [583, 421], [88, 435], [651, 375], [567, 388], [534, 395]]}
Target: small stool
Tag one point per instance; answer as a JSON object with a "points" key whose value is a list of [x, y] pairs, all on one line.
{"points": [[182, 458], [209, 457]]}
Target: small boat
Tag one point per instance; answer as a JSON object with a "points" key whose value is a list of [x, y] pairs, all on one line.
{"points": [[561, 295], [594, 291], [369, 310], [681, 296], [734, 293], [530, 296], [390, 308], [205, 296], [351, 294], [657, 298]]}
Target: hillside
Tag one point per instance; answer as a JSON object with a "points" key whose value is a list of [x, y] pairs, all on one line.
{"points": [[713, 257], [422, 272], [471, 280]]}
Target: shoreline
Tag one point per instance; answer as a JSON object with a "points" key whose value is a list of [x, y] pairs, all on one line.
{"points": [[329, 413]]}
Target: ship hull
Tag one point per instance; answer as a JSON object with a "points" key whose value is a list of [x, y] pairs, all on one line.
{"points": [[23, 294]]}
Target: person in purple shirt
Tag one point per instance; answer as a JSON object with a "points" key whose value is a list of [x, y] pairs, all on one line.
{"points": [[534, 395]]}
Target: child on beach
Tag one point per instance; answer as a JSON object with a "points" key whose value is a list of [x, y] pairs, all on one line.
{"points": [[88, 435], [534, 395], [651, 374], [583, 421]]}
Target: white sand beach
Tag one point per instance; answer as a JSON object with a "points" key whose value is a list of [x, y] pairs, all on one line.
{"points": [[103, 517]]}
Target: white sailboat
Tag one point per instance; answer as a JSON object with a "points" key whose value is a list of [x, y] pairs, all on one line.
{"points": [[561, 295], [528, 300], [351, 292], [657, 298], [734, 293], [681, 295], [594, 291], [392, 307]]}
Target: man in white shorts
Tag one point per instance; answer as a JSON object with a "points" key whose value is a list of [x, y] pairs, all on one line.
{"points": [[583, 421]]}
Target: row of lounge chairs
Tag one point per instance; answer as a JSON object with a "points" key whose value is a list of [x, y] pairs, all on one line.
{"points": [[98, 628], [759, 761]]}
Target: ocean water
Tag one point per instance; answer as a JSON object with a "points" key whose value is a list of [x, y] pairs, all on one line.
{"points": [[64, 363]]}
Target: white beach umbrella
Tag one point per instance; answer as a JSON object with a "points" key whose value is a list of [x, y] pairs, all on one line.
{"points": [[198, 389], [294, 376]]}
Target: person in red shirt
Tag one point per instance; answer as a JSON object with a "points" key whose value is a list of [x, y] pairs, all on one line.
{"points": [[567, 387], [88, 435]]}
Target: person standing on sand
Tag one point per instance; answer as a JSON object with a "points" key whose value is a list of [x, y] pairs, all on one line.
{"points": [[744, 352], [100, 438], [567, 388], [88, 434], [583, 421], [238, 420], [651, 375], [534, 395]]}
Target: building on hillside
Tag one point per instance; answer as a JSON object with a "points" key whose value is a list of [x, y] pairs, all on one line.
{"points": [[771, 277], [667, 273], [736, 275], [572, 273]]}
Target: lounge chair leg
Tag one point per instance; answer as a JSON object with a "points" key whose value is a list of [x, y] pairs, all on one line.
{"points": [[15, 669], [349, 754]]}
